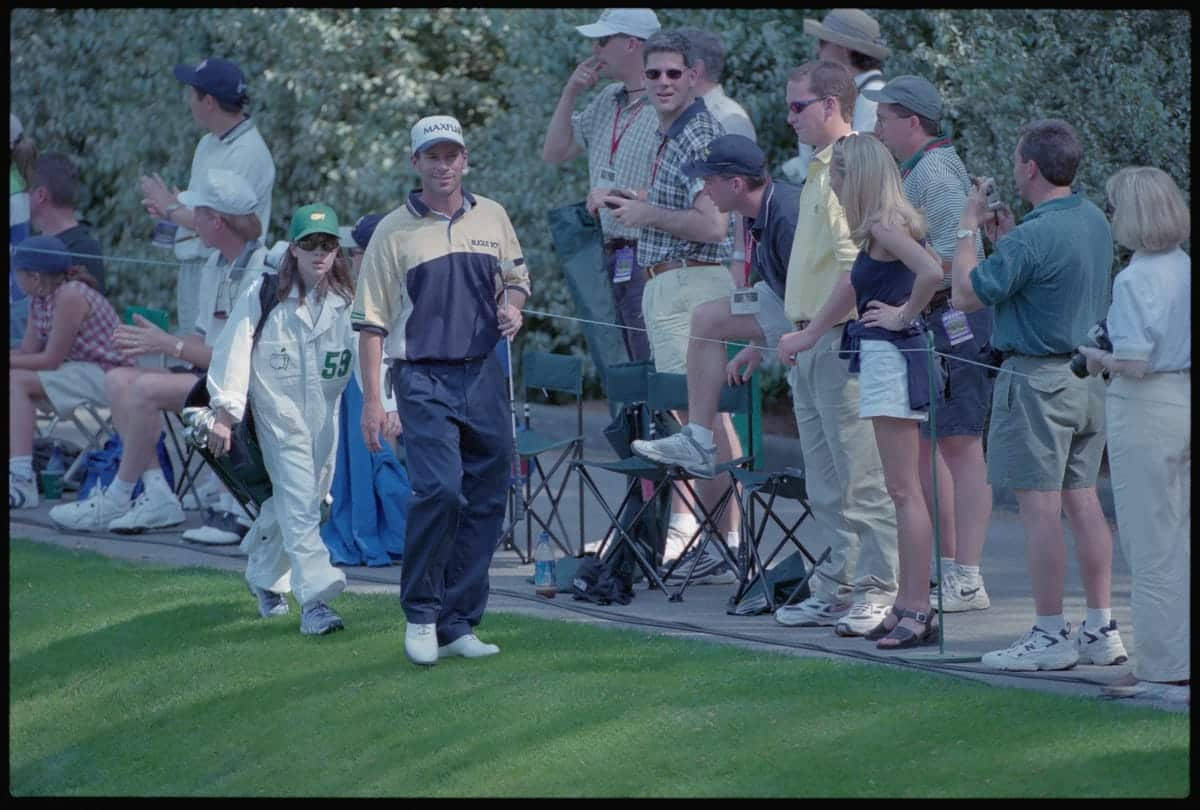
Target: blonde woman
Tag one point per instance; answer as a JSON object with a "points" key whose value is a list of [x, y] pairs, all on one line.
{"points": [[1148, 411], [894, 278]]}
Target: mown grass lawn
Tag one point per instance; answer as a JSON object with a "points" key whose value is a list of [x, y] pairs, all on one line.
{"points": [[139, 680]]}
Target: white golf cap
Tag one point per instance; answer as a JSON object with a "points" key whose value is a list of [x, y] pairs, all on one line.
{"points": [[436, 129], [223, 191], [635, 22], [14, 130]]}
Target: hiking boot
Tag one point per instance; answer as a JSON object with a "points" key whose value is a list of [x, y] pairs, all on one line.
{"points": [[1101, 647], [22, 492], [420, 643], [957, 597], [1036, 650], [862, 618], [316, 619], [154, 509], [681, 450], [270, 603], [468, 646], [812, 612], [91, 514], [711, 568]]}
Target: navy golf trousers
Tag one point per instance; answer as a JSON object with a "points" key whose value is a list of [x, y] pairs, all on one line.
{"points": [[458, 444]]}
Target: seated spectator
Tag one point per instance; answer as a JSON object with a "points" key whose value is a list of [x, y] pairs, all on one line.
{"points": [[1148, 405], [66, 349], [225, 219], [293, 366], [53, 196]]}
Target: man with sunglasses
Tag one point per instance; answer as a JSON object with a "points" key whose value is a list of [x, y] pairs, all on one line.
{"points": [[442, 280], [616, 131], [684, 245], [843, 473]]}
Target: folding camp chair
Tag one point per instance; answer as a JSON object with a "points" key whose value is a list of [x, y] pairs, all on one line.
{"points": [[95, 434], [635, 525], [669, 392], [757, 493], [546, 372]]}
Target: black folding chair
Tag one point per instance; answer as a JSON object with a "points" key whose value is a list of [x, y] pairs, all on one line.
{"points": [[546, 372], [757, 494], [635, 527]]}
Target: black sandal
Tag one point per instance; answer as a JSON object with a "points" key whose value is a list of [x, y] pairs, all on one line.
{"points": [[907, 638], [880, 630]]}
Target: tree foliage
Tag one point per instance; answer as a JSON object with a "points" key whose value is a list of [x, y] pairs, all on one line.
{"points": [[335, 92]]}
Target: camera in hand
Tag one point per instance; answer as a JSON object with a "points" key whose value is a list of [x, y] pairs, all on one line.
{"points": [[993, 197], [1098, 335]]}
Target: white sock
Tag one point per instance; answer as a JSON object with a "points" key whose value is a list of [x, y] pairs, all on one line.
{"points": [[947, 566], [1051, 624], [22, 466], [701, 434], [120, 491], [733, 540], [153, 479], [679, 530], [967, 574], [1098, 617]]}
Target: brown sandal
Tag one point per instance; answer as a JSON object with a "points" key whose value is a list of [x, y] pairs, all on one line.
{"points": [[907, 638], [880, 630]]}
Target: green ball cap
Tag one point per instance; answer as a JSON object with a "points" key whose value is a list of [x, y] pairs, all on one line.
{"points": [[317, 218]]}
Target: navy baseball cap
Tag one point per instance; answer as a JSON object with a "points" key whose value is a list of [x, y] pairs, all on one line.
{"points": [[219, 78], [364, 228], [729, 154], [29, 255]]}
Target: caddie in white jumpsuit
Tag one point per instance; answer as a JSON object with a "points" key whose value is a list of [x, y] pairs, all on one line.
{"points": [[294, 374]]}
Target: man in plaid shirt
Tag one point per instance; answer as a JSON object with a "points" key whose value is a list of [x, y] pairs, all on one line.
{"points": [[617, 131], [684, 245]]}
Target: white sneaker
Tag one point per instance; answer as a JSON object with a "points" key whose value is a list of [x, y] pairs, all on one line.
{"points": [[468, 646], [812, 612], [957, 597], [154, 509], [1036, 650], [862, 619], [91, 514], [420, 644], [681, 450], [1101, 647], [22, 492]]}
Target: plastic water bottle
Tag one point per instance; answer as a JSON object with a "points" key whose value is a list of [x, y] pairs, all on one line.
{"points": [[543, 567]]}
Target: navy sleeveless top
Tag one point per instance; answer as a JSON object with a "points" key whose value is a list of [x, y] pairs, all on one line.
{"points": [[890, 282]]}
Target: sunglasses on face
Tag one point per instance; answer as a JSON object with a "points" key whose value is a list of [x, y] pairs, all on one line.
{"points": [[799, 106], [672, 73], [314, 242]]}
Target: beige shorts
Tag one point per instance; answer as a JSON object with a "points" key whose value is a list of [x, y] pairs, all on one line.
{"points": [[667, 304], [72, 384], [883, 382]]}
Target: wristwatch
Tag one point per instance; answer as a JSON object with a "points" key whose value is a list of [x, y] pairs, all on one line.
{"points": [[963, 233]]}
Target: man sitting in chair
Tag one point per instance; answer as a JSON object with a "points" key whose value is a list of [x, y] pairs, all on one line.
{"points": [[225, 219], [735, 179]]}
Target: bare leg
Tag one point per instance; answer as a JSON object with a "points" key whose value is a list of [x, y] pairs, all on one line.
{"points": [[972, 496], [1093, 544], [946, 502], [1045, 547], [137, 396], [24, 390], [898, 440]]}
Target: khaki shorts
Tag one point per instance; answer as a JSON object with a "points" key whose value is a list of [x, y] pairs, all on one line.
{"points": [[72, 384], [667, 304], [1047, 430]]}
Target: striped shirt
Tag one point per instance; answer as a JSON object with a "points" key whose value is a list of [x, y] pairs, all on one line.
{"points": [[430, 283], [619, 134], [687, 140], [938, 186], [94, 341]]}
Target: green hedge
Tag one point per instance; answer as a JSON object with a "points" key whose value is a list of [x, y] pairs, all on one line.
{"points": [[336, 91]]}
